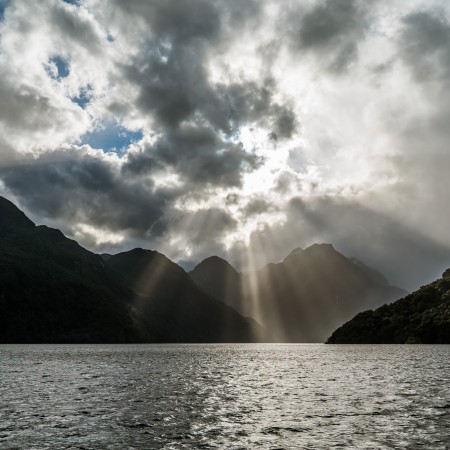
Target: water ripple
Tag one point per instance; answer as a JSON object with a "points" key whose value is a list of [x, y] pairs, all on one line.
{"points": [[224, 396]]}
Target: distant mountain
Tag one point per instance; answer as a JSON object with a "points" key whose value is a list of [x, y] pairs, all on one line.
{"points": [[421, 317], [53, 290], [303, 298], [221, 280], [372, 273], [170, 306]]}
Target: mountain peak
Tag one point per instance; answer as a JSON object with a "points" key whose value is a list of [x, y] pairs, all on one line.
{"points": [[214, 262], [322, 247], [219, 279], [138, 265], [142, 259], [314, 250], [293, 255], [141, 252]]}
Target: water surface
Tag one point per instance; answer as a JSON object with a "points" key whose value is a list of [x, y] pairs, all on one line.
{"points": [[224, 396]]}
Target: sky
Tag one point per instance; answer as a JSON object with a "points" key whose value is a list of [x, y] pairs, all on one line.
{"points": [[242, 129]]}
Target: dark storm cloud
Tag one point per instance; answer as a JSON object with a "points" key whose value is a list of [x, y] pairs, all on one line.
{"points": [[199, 120], [85, 189], [25, 107], [175, 87], [169, 70], [8, 154], [176, 20], [206, 226], [198, 154], [287, 181], [285, 124], [178, 91], [328, 21], [331, 28], [258, 205], [183, 21], [424, 45]]}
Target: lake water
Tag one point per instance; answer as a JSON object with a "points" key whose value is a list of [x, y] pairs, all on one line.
{"points": [[224, 396]]}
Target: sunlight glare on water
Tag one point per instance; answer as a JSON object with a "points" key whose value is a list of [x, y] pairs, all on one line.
{"points": [[224, 396]]}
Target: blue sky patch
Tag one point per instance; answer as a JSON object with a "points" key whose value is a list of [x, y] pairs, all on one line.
{"points": [[3, 5], [83, 99], [62, 65], [111, 137], [72, 2]]}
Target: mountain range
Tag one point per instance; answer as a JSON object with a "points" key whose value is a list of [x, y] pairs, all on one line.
{"points": [[53, 290], [304, 298]]}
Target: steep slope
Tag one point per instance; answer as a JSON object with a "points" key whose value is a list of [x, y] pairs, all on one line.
{"points": [[372, 273], [421, 317], [220, 280], [303, 298], [53, 290], [170, 306]]}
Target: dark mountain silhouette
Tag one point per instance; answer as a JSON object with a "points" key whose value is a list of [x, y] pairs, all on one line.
{"points": [[421, 317], [221, 280], [170, 306], [303, 298], [105, 256], [53, 290]]}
